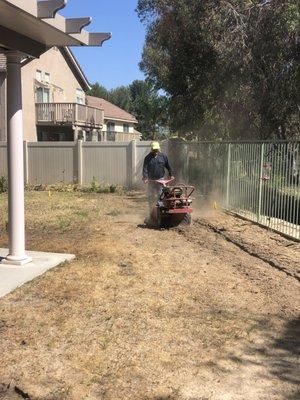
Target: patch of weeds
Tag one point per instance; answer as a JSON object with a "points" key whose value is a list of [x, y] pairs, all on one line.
{"points": [[94, 187], [60, 187], [3, 184], [64, 223], [82, 214], [97, 187]]}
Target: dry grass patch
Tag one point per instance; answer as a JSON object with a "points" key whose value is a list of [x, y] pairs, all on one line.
{"points": [[140, 314]]}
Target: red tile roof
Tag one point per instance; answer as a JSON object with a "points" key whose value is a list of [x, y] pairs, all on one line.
{"points": [[110, 110]]}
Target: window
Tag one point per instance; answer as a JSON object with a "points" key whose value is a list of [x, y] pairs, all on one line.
{"points": [[125, 128], [42, 95], [47, 77], [80, 96], [42, 76], [110, 127], [38, 75]]}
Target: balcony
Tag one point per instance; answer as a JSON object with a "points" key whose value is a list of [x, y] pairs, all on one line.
{"points": [[69, 114]]}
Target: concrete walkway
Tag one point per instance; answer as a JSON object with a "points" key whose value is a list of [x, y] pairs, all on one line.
{"points": [[12, 276]]}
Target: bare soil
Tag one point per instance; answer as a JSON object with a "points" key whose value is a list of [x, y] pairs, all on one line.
{"points": [[208, 312]]}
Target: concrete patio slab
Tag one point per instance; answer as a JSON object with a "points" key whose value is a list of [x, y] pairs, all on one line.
{"points": [[13, 276]]}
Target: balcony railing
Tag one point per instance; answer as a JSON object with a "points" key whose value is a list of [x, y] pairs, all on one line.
{"points": [[69, 114]]}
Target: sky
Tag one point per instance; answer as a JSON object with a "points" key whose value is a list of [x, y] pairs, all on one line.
{"points": [[116, 62]]}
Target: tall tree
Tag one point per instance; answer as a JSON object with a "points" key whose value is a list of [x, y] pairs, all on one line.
{"points": [[120, 96], [229, 66], [178, 58], [150, 108], [142, 100], [98, 90], [273, 38]]}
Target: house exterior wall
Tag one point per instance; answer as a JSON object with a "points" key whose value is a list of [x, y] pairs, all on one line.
{"points": [[2, 106], [63, 86], [118, 126]]}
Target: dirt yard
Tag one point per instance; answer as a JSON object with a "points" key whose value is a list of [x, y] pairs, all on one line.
{"points": [[210, 312]]}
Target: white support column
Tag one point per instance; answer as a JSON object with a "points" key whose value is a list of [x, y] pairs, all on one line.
{"points": [[15, 158]]}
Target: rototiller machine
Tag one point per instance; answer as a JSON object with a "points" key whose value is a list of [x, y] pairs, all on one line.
{"points": [[173, 206]]}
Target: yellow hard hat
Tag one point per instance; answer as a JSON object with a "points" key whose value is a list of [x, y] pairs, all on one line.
{"points": [[155, 146]]}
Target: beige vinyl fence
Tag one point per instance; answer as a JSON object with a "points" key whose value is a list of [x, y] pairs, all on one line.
{"points": [[81, 162], [259, 181]]}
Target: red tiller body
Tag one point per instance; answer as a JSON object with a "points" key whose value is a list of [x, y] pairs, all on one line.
{"points": [[184, 210]]}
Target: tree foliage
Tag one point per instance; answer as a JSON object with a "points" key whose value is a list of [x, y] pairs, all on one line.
{"points": [[143, 101], [149, 107], [228, 66], [98, 90]]}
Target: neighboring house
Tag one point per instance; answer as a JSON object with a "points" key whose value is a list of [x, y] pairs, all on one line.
{"points": [[54, 106], [118, 125]]}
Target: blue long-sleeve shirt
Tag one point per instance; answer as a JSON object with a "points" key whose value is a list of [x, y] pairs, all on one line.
{"points": [[155, 166]]}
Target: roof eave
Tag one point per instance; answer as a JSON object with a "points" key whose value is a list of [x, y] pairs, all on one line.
{"points": [[133, 121], [75, 67]]}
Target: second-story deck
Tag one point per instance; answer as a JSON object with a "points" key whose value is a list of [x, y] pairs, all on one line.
{"points": [[69, 114]]}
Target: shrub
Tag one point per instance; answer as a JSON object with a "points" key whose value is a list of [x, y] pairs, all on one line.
{"points": [[94, 187], [3, 184]]}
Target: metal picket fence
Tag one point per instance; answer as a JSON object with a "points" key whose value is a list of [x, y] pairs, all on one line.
{"points": [[256, 180]]}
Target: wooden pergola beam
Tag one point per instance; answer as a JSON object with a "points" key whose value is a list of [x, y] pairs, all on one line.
{"points": [[48, 8], [75, 25], [14, 41]]}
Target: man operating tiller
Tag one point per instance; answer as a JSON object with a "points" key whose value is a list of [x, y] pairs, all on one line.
{"points": [[155, 165]]}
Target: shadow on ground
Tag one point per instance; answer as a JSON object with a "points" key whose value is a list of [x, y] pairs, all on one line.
{"points": [[278, 356]]}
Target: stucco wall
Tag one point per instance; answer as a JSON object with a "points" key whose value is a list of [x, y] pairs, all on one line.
{"points": [[2, 107], [63, 85]]}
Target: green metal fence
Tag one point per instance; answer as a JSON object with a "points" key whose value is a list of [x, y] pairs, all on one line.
{"points": [[256, 180]]}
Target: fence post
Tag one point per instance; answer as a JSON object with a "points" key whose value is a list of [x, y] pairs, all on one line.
{"points": [[79, 163], [26, 167], [260, 180], [133, 163], [228, 175]]}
